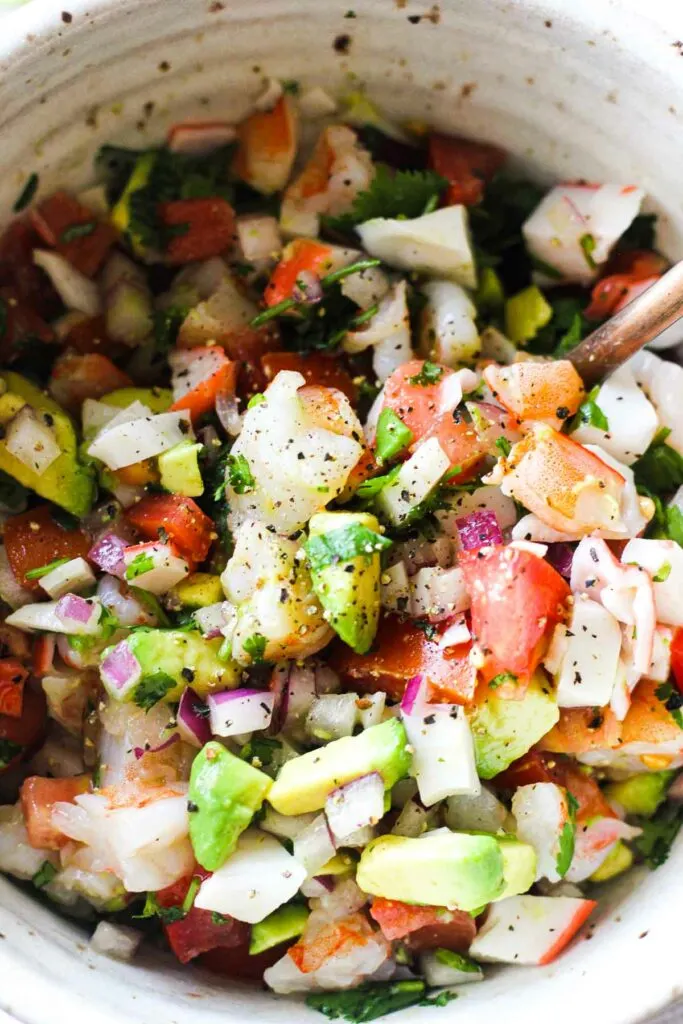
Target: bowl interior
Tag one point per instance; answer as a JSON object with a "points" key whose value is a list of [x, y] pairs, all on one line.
{"points": [[588, 90]]}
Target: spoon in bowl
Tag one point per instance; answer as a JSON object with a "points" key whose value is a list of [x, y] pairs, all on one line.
{"points": [[624, 334]]}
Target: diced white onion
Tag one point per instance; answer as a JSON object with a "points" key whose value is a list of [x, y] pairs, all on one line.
{"points": [[443, 752], [74, 289], [139, 439], [74, 575], [31, 440], [355, 805], [115, 941], [332, 716], [448, 332], [314, 845], [416, 479]]}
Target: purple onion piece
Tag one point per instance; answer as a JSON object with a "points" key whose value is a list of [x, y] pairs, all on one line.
{"points": [[107, 554], [560, 556], [327, 881], [193, 718], [307, 288], [72, 608], [478, 530], [121, 669], [411, 694], [141, 751]]}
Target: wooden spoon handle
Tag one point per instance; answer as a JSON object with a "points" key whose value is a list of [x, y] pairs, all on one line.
{"points": [[623, 335]]}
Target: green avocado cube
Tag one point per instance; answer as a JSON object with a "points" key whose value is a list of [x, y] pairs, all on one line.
{"points": [[285, 923]]}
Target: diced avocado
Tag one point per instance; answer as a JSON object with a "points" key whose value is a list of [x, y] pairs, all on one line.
{"points": [[198, 590], [519, 866], [285, 923], [503, 730], [641, 794], [340, 864], [525, 314], [441, 868], [224, 794], [490, 294], [121, 213], [618, 860], [156, 399], [179, 469], [172, 659], [348, 587], [66, 482], [304, 783]]}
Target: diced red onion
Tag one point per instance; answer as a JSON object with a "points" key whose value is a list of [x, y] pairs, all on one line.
{"points": [[478, 530], [77, 611], [235, 712], [107, 554], [227, 410], [412, 695], [307, 288], [193, 718], [355, 805], [560, 556], [141, 751], [320, 885], [121, 670], [314, 845]]}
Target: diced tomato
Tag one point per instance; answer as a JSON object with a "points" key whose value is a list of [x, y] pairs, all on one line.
{"points": [[517, 598], [89, 334], [52, 219], [186, 526], [19, 737], [43, 654], [198, 931], [27, 282], [315, 367], [238, 963], [13, 675], [549, 392], [402, 650], [302, 255], [222, 377], [38, 797], [536, 767], [210, 225], [418, 405], [625, 276], [267, 147], [466, 165], [677, 658], [21, 324], [424, 927], [77, 377], [335, 939], [34, 538]]}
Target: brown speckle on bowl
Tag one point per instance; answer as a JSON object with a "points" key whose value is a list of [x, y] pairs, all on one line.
{"points": [[67, 17], [643, 935], [548, 24], [215, 7], [342, 43], [467, 89], [164, 66]]}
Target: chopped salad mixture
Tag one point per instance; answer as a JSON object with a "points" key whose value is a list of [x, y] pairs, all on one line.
{"points": [[343, 629]]}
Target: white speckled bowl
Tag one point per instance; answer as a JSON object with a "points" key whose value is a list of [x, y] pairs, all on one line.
{"points": [[575, 88]]}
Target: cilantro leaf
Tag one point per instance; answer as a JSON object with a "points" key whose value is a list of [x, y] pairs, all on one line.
{"points": [[141, 564], [152, 688], [392, 435], [587, 243], [673, 702], [429, 374], [501, 679], [255, 647], [240, 476], [660, 469], [165, 326], [572, 336], [403, 194], [369, 489], [590, 413], [44, 875], [567, 841], [371, 1000], [262, 748], [663, 573], [343, 545], [80, 230], [27, 193], [43, 570], [503, 446], [659, 834]]}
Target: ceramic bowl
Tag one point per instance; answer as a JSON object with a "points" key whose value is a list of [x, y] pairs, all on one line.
{"points": [[573, 88]]}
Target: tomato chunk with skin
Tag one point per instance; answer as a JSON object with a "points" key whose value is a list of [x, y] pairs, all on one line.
{"points": [[34, 538], [77, 377], [209, 228], [677, 659], [199, 930], [52, 219], [318, 369], [402, 650], [38, 798], [517, 599], [626, 273], [186, 526], [13, 675], [466, 166], [19, 737], [419, 407]]}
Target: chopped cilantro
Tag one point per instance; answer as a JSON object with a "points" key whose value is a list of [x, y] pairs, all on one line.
{"points": [[343, 545], [262, 748], [165, 326], [44, 875], [673, 702], [567, 841], [659, 834], [75, 231], [401, 194], [27, 193], [501, 679], [375, 999], [43, 570], [590, 413], [392, 436], [239, 474], [369, 489], [429, 374], [255, 647], [660, 469], [141, 564], [152, 688], [428, 628], [457, 961], [662, 573], [503, 446], [219, 919], [587, 243], [572, 336], [291, 87], [255, 400]]}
